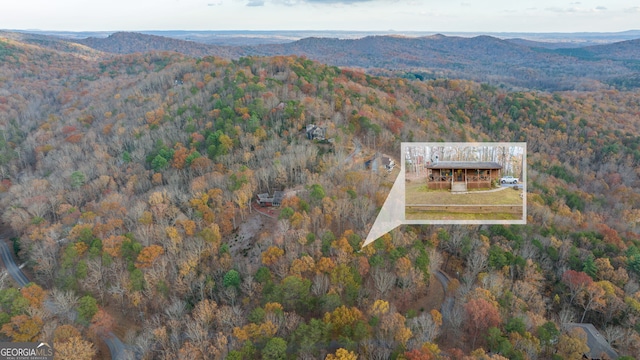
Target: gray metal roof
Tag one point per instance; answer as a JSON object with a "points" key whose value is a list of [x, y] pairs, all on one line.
{"points": [[278, 196], [597, 344], [465, 165]]}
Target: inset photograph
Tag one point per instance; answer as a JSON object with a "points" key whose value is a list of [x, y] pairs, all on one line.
{"points": [[465, 183]]}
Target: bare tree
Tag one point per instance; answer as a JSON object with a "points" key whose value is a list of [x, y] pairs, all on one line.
{"points": [[376, 349], [494, 282], [342, 210], [64, 303], [117, 291], [306, 355], [290, 323], [228, 318], [48, 329], [249, 286], [615, 334], [144, 343], [567, 315], [4, 276], [631, 287], [197, 333], [94, 280], [454, 240], [424, 328], [45, 256], [476, 262], [383, 280], [320, 285], [230, 295], [176, 309], [362, 209], [435, 261], [454, 316]]}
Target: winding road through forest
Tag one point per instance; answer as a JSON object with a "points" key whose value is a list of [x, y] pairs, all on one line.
{"points": [[447, 303], [13, 269], [116, 347]]}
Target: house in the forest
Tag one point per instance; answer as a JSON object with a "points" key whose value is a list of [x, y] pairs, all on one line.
{"points": [[380, 160], [265, 199], [459, 176], [599, 348], [315, 132], [388, 162]]}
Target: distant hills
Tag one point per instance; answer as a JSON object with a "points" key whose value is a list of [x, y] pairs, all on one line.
{"points": [[482, 58], [515, 63], [128, 42], [257, 37]]}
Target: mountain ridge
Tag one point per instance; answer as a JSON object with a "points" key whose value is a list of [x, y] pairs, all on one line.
{"points": [[507, 62], [130, 42], [483, 58]]}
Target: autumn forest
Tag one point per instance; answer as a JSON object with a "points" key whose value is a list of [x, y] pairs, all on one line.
{"points": [[129, 185]]}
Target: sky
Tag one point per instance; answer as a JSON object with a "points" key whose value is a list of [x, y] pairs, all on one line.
{"points": [[352, 15]]}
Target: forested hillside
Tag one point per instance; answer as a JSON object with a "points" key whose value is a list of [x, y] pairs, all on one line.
{"points": [[128, 42], [510, 63], [482, 58], [130, 184]]}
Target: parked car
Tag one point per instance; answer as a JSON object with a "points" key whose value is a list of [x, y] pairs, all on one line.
{"points": [[509, 180]]}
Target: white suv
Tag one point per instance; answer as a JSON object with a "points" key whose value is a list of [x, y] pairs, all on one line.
{"points": [[509, 180]]}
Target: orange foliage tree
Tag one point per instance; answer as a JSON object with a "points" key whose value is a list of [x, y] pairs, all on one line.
{"points": [[23, 328], [148, 255]]}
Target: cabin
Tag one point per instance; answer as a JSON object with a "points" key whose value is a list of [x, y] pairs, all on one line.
{"points": [[388, 162], [315, 132], [459, 176], [265, 199], [599, 348], [380, 161]]}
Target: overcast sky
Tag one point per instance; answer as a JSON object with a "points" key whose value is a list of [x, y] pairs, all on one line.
{"points": [[363, 15]]}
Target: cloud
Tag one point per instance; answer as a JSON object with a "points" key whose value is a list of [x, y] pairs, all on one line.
{"points": [[633, 9], [561, 10], [336, 1], [465, 4], [333, 2], [315, 2], [575, 10]]}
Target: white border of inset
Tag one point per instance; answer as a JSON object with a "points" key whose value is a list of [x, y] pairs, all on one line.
{"points": [[392, 213]]}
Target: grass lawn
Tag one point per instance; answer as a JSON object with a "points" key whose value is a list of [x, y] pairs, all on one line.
{"points": [[419, 194]]}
